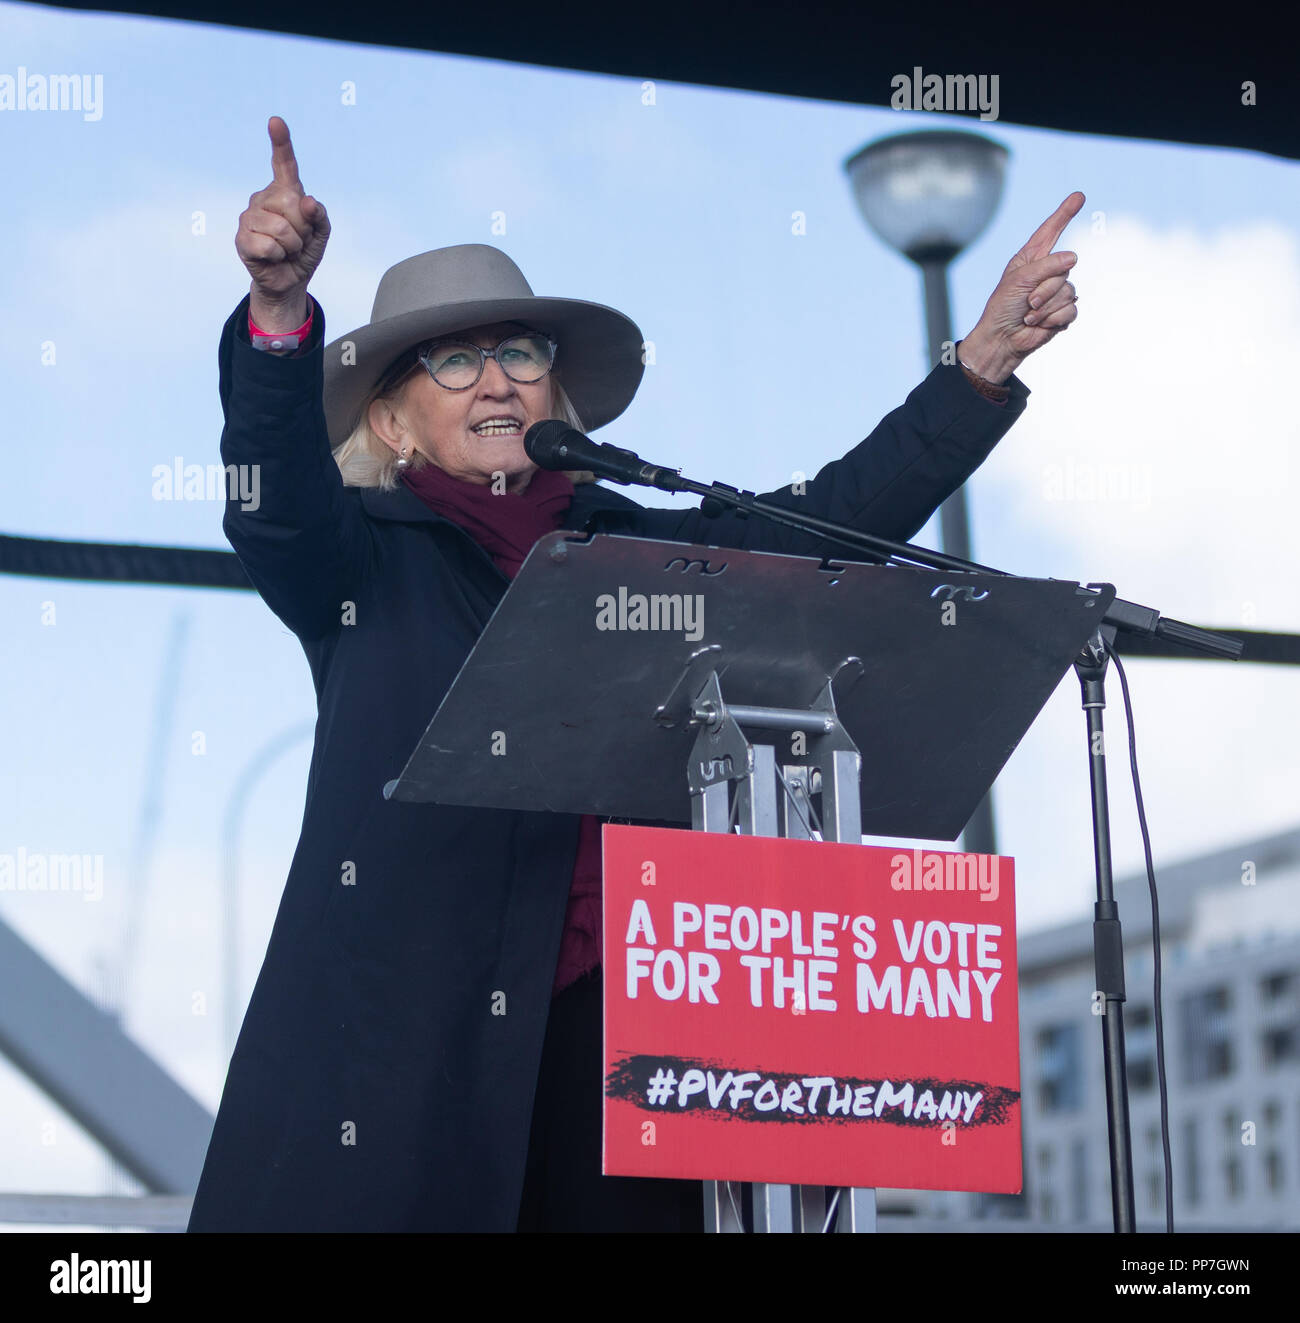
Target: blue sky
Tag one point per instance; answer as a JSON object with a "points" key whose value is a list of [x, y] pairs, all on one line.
{"points": [[119, 235]]}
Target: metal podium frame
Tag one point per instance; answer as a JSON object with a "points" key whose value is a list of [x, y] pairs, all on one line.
{"points": [[723, 757]]}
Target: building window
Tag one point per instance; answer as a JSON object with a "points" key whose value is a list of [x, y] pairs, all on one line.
{"points": [[1207, 1035], [1155, 1178], [1281, 1045], [1276, 985], [1141, 1063], [1060, 1076], [1079, 1181], [1191, 1163], [1232, 1181], [1273, 1169]]}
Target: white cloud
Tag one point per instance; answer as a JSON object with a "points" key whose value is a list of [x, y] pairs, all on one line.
{"points": [[1172, 384], [1179, 368]]}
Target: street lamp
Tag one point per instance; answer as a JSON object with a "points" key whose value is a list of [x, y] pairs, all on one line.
{"points": [[928, 196]]}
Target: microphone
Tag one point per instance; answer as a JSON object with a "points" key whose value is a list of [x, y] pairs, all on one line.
{"points": [[553, 444]]}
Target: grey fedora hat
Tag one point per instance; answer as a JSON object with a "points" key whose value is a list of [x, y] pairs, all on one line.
{"points": [[598, 361]]}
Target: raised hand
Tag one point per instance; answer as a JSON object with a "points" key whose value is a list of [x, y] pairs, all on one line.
{"points": [[1033, 302], [282, 235]]}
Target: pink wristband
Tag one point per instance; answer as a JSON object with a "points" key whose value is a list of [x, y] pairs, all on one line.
{"points": [[281, 339]]}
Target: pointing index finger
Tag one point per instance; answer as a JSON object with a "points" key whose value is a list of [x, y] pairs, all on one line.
{"points": [[284, 165], [1045, 236]]}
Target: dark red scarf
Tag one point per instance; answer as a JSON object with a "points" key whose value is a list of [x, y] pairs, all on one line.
{"points": [[506, 526]]}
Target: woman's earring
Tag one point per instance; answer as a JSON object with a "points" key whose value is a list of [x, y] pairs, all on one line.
{"points": [[402, 461]]}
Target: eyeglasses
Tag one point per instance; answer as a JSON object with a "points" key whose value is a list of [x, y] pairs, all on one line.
{"points": [[458, 364]]}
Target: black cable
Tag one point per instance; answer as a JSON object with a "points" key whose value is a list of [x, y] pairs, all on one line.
{"points": [[1157, 1011], [117, 562], [200, 567]]}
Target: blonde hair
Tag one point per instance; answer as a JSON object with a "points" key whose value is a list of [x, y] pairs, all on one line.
{"points": [[366, 460]]}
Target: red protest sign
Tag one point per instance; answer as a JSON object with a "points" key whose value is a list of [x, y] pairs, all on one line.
{"points": [[809, 1013]]}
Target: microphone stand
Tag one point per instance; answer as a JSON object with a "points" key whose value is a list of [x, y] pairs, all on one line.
{"points": [[1090, 666], [1122, 615]]}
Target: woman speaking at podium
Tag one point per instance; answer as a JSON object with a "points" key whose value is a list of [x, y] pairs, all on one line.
{"points": [[422, 1050]]}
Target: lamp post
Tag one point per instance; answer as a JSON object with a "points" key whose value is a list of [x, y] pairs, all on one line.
{"points": [[928, 196]]}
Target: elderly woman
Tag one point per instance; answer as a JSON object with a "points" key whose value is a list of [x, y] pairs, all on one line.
{"points": [[422, 1049]]}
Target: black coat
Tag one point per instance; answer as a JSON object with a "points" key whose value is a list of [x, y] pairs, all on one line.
{"points": [[372, 1086]]}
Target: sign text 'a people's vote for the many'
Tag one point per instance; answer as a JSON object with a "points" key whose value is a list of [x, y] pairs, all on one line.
{"points": [[809, 1013]]}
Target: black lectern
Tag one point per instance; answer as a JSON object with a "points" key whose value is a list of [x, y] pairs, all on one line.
{"points": [[746, 690]]}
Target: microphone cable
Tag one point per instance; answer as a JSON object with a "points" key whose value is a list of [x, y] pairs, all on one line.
{"points": [[1157, 1008]]}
